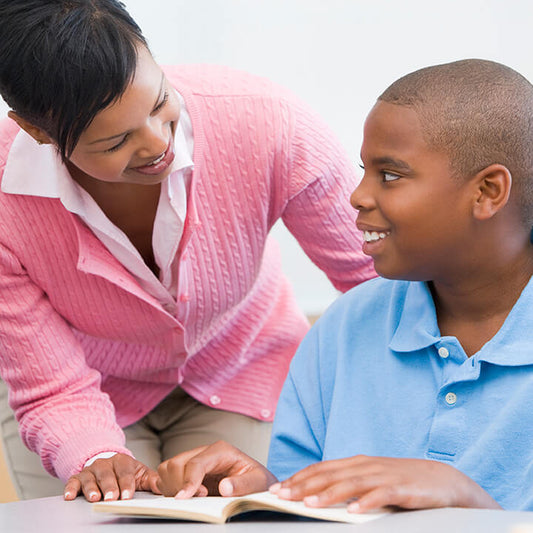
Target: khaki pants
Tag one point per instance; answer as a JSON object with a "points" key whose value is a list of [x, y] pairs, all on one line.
{"points": [[177, 424]]}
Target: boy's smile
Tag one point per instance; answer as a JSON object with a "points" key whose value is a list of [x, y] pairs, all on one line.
{"points": [[412, 209]]}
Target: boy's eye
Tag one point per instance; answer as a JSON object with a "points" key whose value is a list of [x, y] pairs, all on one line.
{"points": [[389, 176]]}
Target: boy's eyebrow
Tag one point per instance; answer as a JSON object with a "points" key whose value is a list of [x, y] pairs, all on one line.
{"points": [[390, 161]]}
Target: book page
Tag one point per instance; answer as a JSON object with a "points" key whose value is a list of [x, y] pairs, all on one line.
{"points": [[209, 509], [218, 509], [336, 513]]}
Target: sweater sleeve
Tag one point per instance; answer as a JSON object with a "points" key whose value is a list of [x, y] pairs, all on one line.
{"points": [[63, 415], [318, 211]]}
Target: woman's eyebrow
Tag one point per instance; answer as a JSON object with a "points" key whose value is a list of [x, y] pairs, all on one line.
{"points": [[115, 136]]}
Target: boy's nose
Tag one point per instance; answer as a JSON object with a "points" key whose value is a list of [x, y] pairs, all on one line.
{"points": [[361, 198]]}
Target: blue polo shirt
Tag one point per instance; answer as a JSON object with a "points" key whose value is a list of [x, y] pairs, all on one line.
{"points": [[374, 376]]}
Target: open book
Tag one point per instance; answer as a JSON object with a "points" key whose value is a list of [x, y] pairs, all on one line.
{"points": [[218, 510]]}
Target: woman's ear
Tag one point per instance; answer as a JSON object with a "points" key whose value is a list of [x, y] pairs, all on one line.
{"points": [[37, 133], [493, 188]]}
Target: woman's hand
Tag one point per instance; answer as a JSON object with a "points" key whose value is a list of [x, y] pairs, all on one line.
{"points": [[218, 469], [117, 477], [381, 481]]}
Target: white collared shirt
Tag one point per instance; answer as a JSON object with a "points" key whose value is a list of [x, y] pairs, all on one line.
{"points": [[37, 170]]}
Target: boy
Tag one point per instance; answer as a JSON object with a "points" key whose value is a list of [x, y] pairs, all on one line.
{"points": [[428, 379]]}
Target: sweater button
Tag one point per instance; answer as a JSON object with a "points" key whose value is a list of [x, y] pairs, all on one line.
{"points": [[214, 400], [265, 413]]}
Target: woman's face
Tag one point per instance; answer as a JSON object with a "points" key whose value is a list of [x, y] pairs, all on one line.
{"points": [[132, 140]]}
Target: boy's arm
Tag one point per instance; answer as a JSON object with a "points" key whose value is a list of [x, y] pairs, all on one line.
{"points": [[222, 469], [218, 469], [298, 428], [381, 481]]}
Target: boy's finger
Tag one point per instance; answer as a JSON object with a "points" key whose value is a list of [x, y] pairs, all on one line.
{"points": [[193, 476], [342, 491], [381, 497], [255, 480], [313, 482]]}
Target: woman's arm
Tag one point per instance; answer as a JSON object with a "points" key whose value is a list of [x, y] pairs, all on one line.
{"points": [[63, 414], [318, 213]]}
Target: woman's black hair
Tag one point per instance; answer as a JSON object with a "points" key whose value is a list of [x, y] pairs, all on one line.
{"points": [[63, 61]]}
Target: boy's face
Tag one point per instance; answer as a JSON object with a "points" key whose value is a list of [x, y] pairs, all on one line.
{"points": [[414, 212]]}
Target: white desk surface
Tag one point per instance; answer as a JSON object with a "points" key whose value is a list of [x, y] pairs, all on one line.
{"points": [[53, 515]]}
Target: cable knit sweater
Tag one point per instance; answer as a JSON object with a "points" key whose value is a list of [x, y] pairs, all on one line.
{"points": [[85, 351]]}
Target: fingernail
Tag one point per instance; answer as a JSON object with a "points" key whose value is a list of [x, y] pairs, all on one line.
{"points": [[274, 488], [126, 495], [312, 501], [353, 507], [67, 495], [108, 496], [284, 493], [225, 487], [93, 495], [180, 494]]}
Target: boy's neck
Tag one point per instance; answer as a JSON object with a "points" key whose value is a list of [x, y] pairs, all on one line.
{"points": [[475, 308]]}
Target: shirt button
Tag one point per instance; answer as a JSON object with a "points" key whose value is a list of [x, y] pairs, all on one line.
{"points": [[214, 400], [443, 352], [451, 398], [265, 413]]}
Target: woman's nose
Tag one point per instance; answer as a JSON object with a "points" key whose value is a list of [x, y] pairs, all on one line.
{"points": [[155, 138]]}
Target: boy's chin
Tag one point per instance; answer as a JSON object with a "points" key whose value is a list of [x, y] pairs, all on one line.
{"points": [[392, 274]]}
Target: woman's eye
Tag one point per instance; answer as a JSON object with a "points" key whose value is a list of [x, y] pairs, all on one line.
{"points": [[161, 104], [388, 176], [117, 146]]}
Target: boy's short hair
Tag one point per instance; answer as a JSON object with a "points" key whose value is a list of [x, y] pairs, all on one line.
{"points": [[478, 112], [63, 61]]}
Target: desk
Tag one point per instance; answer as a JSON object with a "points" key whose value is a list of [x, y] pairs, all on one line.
{"points": [[53, 515]]}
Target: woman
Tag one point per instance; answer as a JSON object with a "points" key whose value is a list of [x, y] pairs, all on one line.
{"points": [[143, 311]]}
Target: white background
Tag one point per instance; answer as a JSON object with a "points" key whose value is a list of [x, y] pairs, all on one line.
{"points": [[338, 55]]}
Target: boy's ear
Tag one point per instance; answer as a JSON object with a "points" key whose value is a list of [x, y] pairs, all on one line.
{"points": [[493, 188], [37, 133]]}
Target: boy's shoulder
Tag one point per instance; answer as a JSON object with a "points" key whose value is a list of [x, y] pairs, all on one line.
{"points": [[374, 296]]}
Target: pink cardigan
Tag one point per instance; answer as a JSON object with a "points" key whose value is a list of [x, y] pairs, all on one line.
{"points": [[85, 351]]}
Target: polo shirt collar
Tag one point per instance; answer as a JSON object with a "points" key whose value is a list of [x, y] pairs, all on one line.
{"points": [[418, 328], [512, 345]]}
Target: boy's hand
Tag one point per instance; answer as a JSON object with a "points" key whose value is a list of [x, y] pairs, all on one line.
{"points": [[117, 477], [218, 469], [381, 481]]}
